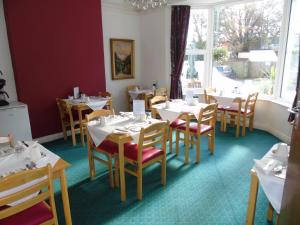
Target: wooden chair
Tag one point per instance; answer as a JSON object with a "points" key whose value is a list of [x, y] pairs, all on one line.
{"points": [[146, 98], [207, 91], [146, 152], [239, 114], [161, 92], [129, 100], [157, 100], [106, 148], [211, 99], [7, 140], [106, 94], [67, 120], [234, 112], [30, 210], [204, 126]]}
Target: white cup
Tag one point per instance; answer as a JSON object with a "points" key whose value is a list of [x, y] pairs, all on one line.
{"points": [[70, 97], [35, 153], [102, 121], [168, 104]]}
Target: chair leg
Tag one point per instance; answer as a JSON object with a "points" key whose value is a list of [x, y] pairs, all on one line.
{"points": [[64, 132], [170, 139], [73, 136], [139, 182], [225, 122], [91, 164], [198, 149], [110, 171], [177, 142], [116, 171], [238, 125], [212, 142], [244, 125], [163, 171], [187, 144], [221, 121], [251, 123]]}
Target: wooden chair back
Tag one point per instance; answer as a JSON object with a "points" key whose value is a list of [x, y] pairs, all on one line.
{"points": [[161, 92], [207, 91], [151, 136], [157, 100], [44, 188], [98, 113], [251, 102], [208, 115], [104, 94], [65, 110], [8, 140]]}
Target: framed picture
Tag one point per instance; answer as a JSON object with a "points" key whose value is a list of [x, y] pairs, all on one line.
{"points": [[122, 59]]}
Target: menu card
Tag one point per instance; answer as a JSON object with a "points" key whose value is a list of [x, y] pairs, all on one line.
{"points": [[138, 107]]}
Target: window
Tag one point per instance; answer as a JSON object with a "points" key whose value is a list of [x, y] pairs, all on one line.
{"points": [[195, 55], [290, 74], [246, 45]]}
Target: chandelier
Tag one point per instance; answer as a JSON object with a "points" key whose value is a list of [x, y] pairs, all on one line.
{"points": [[146, 4]]}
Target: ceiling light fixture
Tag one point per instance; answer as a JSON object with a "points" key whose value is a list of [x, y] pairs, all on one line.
{"points": [[146, 4]]}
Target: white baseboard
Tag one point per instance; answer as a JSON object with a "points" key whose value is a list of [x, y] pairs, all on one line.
{"points": [[282, 136], [49, 138]]}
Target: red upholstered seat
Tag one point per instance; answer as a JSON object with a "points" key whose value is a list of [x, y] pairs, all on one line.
{"points": [[221, 107], [177, 123], [194, 127], [108, 146], [131, 151], [34, 215], [234, 109]]}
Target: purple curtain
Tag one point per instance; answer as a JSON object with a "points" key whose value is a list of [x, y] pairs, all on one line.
{"points": [[179, 30]]}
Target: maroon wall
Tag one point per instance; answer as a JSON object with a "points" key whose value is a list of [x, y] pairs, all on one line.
{"points": [[55, 45]]}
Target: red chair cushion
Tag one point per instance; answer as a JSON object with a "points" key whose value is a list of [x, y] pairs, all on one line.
{"points": [[108, 146], [131, 152], [194, 128], [177, 123], [34, 215]]}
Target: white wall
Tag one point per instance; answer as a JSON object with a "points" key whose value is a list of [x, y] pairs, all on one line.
{"points": [[5, 59], [120, 22], [155, 33]]}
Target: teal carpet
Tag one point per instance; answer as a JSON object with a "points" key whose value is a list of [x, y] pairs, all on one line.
{"points": [[213, 192]]}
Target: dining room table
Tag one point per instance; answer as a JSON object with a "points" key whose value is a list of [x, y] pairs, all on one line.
{"points": [[88, 103], [119, 129], [175, 108], [23, 156], [269, 173]]}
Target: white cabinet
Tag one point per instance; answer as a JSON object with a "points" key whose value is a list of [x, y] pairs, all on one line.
{"points": [[14, 120]]}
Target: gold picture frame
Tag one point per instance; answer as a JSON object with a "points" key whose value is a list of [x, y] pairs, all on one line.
{"points": [[122, 59]]}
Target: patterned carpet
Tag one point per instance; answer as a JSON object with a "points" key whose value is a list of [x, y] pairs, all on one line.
{"points": [[213, 192]]}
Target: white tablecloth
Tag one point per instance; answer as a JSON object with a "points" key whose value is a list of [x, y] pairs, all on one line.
{"points": [[99, 133], [17, 161], [272, 184], [95, 103], [177, 108], [134, 93]]}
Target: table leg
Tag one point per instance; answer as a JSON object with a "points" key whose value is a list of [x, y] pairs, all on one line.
{"points": [[65, 197], [81, 126], [252, 199], [122, 174], [270, 213]]}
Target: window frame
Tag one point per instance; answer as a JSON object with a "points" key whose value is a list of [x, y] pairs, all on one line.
{"points": [[208, 71]]}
